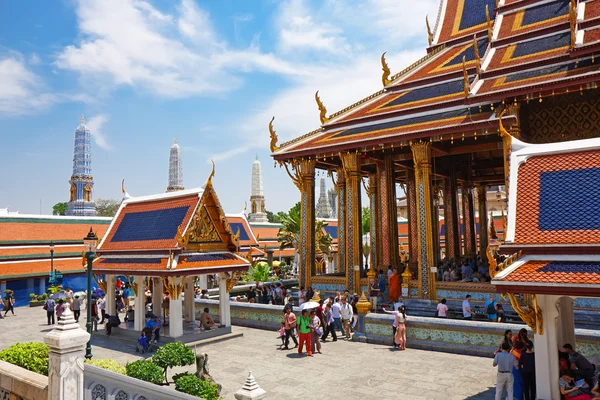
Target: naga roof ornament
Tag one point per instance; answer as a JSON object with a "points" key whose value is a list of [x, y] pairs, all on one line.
{"points": [[573, 22], [429, 33], [467, 85], [274, 138], [489, 23], [385, 77], [477, 58], [322, 109]]}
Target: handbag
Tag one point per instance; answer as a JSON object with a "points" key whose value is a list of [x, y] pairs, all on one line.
{"points": [[318, 331], [45, 306]]}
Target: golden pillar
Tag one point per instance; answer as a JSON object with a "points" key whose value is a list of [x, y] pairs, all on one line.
{"points": [[389, 212], [422, 159], [351, 163], [340, 186], [435, 223], [451, 217], [305, 180], [413, 238], [469, 233], [483, 221], [374, 242]]}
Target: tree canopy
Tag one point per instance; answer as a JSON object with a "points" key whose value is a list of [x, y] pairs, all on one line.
{"points": [[289, 235], [59, 208], [107, 207]]}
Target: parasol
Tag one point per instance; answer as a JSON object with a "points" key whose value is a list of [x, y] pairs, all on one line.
{"points": [[57, 296], [81, 293], [308, 305]]}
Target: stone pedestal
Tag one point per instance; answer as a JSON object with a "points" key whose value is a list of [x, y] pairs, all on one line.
{"points": [[546, 350], [157, 297], [139, 307], [188, 300], [250, 390], [175, 318], [111, 304], [65, 368], [224, 307], [203, 282]]}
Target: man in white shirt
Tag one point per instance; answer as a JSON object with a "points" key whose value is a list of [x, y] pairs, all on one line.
{"points": [[336, 310], [102, 306], [466, 308], [346, 316], [398, 304]]}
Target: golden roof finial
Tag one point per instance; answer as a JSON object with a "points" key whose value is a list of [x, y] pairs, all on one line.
{"points": [[429, 33], [322, 109], [489, 23], [573, 22], [467, 85], [274, 138], [82, 119], [503, 131], [212, 173], [385, 78], [123, 186], [477, 58]]}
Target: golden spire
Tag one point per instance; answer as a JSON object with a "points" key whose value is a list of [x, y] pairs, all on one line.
{"points": [[212, 173], [477, 59], [322, 109], [82, 119], [489, 23], [385, 78], [274, 138], [429, 33], [123, 186], [573, 22], [467, 85]]}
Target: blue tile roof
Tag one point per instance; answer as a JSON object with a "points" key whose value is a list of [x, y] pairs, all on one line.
{"points": [[548, 71], [469, 53], [243, 233], [545, 11], [474, 13], [428, 92], [543, 44], [572, 267], [332, 231], [210, 257], [150, 225], [131, 261], [568, 200]]}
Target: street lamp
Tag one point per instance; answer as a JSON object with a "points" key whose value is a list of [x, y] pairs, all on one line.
{"points": [[90, 242], [51, 262]]}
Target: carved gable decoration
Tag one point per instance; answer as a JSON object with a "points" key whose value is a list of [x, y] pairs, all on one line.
{"points": [[202, 229]]}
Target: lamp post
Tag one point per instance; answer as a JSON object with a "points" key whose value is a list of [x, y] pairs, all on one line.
{"points": [[51, 280], [90, 243]]}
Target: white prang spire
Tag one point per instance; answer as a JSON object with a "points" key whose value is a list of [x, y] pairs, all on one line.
{"points": [[323, 209], [257, 198], [175, 170]]}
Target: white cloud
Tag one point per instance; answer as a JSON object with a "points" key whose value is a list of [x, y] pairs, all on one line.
{"points": [[96, 127], [21, 91]]}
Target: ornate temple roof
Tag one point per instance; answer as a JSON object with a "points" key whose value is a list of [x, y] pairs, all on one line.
{"points": [[247, 237], [536, 48]]}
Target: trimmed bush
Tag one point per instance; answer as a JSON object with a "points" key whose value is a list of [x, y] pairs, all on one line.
{"points": [[180, 375], [32, 356], [145, 370], [195, 386], [107, 364], [173, 355]]}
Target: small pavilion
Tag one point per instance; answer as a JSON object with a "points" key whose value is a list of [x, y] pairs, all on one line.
{"points": [[170, 239], [553, 238]]}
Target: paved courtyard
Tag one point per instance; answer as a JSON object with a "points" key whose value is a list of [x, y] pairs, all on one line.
{"points": [[345, 370]]}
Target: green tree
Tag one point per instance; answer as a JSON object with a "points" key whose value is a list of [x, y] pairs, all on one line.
{"points": [[59, 208], [270, 216], [173, 355], [366, 228], [260, 272], [107, 207], [289, 235]]}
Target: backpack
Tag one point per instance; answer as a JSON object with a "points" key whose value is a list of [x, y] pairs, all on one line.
{"points": [[491, 308]]}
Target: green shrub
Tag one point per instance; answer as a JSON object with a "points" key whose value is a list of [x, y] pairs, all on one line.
{"points": [[43, 296], [195, 386], [32, 296], [180, 375], [32, 356], [108, 364], [173, 355], [145, 370]]}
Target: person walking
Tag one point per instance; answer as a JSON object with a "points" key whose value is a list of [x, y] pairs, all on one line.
{"points": [[346, 313], [60, 308], [49, 306], [381, 280], [102, 306], [400, 335], [304, 330], [94, 306], [329, 324], [315, 332], [490, 309], [466, 308], [504, 378], [289, 323], [527, 365], [9, 303], [517, 377], [395, 313], [336, 310], [76, 308], [442, 309]]}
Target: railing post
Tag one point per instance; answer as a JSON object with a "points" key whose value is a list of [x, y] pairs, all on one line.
{"points": [[250, 390], [65, 368]]}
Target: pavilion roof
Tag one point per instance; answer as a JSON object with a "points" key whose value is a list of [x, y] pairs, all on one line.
{"points": [[530, 53], [239, 221]]}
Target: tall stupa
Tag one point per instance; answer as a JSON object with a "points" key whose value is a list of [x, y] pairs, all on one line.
{"points": [[323, 209], [175, 170], [257, 198], [82, 183]]}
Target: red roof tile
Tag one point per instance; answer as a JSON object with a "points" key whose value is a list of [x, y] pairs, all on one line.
{"points": [[39, 229], [556, 272], [11, 270]]}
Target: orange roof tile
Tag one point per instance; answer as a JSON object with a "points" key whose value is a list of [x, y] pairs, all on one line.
{"points": [[22, 230], [556, 272], [10, 270], [38, 250]]}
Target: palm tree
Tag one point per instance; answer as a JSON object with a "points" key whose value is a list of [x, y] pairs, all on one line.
{"points": [[289, 235]]}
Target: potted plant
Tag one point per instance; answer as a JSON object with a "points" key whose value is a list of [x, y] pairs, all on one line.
{"points": [[37, 300]]}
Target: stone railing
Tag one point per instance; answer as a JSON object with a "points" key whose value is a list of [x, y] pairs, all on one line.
{"points": [[102, 384], [18, 383]]}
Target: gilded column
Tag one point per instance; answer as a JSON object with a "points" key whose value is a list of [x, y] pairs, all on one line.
{"points": [[435, 223], [341, 215], [413, 238], [483, 221], [373, 193], [421, 156], [470, 235], [384, 260], [351, 162], [389, 212], [451, 219], [306, 184]]}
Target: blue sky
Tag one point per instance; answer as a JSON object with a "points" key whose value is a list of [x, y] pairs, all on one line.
{"points": [[212, 73]]}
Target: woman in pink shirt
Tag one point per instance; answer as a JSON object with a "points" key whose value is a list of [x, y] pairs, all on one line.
{"points": [[442, 309]]}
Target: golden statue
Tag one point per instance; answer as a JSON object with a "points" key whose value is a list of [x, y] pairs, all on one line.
{"points": [[429, 33], [87, 192], [73, 192], [467, 85], [489, 23], [573, 22], [477, 58], [322, 109], [385, 78], [274, 138]]}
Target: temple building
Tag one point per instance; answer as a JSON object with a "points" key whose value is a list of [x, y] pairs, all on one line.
{"points": [[82, 183], [257, 197], [434, 127], [175, 169]]}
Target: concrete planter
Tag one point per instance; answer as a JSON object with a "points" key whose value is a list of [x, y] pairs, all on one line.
{"points": [[36, 303]]}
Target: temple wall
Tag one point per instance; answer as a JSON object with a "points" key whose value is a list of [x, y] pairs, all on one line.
{"points": [[17, 383], [437, 334]]}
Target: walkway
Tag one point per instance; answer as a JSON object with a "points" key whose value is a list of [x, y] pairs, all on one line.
{"points": [[346, 370]]}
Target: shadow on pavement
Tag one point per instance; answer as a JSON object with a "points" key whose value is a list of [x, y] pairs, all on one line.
{"points": [[488, 394]]}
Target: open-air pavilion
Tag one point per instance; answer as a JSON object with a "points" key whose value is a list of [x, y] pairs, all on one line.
{"points": [[166, 241]]}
